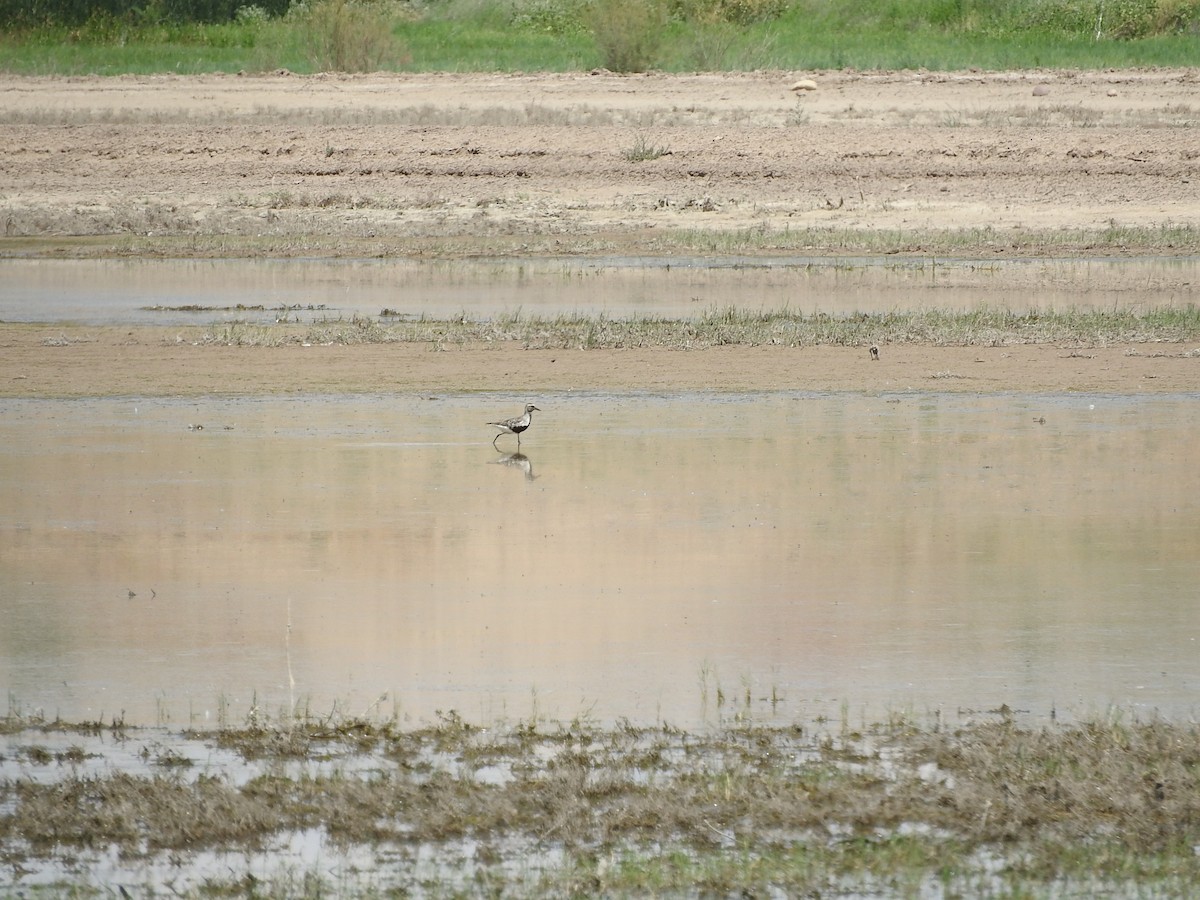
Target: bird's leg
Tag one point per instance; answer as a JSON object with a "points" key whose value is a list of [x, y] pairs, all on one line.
{"points": [[496, 438]]}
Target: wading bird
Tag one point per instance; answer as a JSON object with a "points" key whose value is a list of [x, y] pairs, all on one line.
{"points": [[514, 426]]}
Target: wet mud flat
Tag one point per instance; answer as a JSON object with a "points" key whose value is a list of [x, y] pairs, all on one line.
{"points": [[982, 805]]}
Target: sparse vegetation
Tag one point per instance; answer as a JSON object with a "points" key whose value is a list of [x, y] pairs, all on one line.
{"points": [[729, 326], [644, 149], [153, 231], [985, 807]]}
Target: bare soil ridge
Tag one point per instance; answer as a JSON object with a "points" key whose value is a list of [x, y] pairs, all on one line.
{"points": [[401, 159]]}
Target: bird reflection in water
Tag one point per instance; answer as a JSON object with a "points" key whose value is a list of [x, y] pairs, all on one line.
{"points": [[516, 460]]}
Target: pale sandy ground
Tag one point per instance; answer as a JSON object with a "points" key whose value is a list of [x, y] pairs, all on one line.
{"points": [[393, 164]]}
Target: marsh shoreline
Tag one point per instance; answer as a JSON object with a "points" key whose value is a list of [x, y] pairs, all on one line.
{"points": [[981, 805]]}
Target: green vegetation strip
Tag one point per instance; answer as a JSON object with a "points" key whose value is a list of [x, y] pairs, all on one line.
{"points": [[989, 808], [143, 36], [991, 327]]}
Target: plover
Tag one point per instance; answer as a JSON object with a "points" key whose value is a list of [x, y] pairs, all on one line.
{"points": [[514, 426]]}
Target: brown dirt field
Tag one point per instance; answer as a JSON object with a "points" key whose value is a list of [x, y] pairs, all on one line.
{"points": [[538, 164]]}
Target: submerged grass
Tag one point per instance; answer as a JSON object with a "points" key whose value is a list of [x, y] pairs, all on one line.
{"points": [[988, 326], [988, 808]]}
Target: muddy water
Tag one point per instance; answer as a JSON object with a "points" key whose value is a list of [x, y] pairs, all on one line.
{"points": [[157, 291], [682, 559]]}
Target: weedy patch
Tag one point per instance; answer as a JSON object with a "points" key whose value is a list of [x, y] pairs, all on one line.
{"points": [[989, 327], [986, 808], [126, 231]]}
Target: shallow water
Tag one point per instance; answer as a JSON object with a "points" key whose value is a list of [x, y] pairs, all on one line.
{"points": [[103, 292], [680, 559]]}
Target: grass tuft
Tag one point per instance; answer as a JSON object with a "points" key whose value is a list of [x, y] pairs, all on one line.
{"points": [[643, 149]]}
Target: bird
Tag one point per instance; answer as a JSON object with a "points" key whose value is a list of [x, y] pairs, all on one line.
{"points": [[514, 426]]}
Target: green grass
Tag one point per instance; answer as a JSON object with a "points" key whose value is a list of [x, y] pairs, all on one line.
{"points": [[115, 49], [446, 45], [940, 51], [556, 35]]}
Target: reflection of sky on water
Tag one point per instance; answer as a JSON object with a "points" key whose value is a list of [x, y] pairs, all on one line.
{"points": [[151, 292], [931, 551]]}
